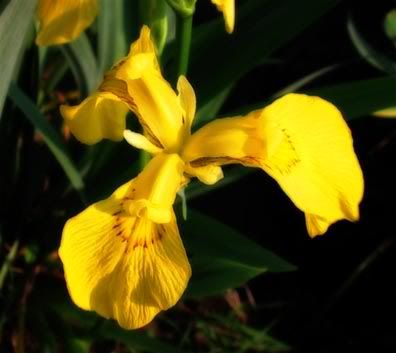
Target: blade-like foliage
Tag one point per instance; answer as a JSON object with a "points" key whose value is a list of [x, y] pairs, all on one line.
{"points": [[262, 27], [50, 136], [13, 30], [222, 258]]}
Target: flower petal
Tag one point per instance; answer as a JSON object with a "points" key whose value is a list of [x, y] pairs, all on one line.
{"points": [[187, 101], [157, 185], [158, 108], [140, 141], [151, 276], [303, 143], [101, 115], [122, 265], [227, 7], [137, 81], [226, 140], [310, 154], [208, 174], [62, 21]]}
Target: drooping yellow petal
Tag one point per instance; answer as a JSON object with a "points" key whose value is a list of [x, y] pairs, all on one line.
{"points": [[303, 143], [62, 21], [101, 115], [122, 265], [227, 7]]}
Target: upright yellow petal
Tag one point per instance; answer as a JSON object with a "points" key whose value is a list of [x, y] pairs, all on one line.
{"points": [[142, 56], [303, 143], [227, 7], [101, 115], [187, 101], [62, 21], [122, 265], [137, 80], [158, 109]]}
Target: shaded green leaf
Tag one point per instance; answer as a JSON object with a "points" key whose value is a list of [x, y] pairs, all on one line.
{"points": [[50, 135], [215, 275], [368, 52], [390, 25], [222, 258], [360, 98], [13, 30], [261, 28], [355, 99], [112, 41], [82, 62], [153, 13], [307, 79], [231, 175]]}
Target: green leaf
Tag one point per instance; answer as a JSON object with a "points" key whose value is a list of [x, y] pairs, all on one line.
{"points": [[368, 52], [50, 135], [360, 98], [222, 258], [303, 81], [390, 25], [211, 108], [82, 62], [15, 21], [153, 13], [355, 99], [112, 41], [262, 27]]}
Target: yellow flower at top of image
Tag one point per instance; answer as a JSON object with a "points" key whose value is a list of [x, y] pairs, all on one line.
{"points": [[227, 7], [62, 21], [123, 257]]}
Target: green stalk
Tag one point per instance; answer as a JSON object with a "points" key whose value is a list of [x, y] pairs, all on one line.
{"points": [[144, 158], [183, 40]]}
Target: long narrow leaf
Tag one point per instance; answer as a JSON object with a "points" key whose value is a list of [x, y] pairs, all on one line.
{"points": [[368, 52], [14, 25], [355, 98], [222, 258], [262, 27], [112, 42], [50, 136], [83, 63], [360, 98]]}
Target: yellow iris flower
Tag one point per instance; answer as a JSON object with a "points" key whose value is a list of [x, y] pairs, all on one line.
{"points": [[62, 21], [227, 7], [123, 256]]}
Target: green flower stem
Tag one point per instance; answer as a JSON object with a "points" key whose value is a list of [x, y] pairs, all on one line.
{"points": [[183, 40], [144, 158]]}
